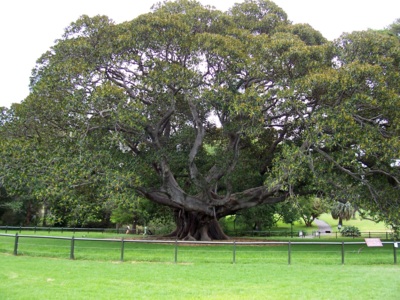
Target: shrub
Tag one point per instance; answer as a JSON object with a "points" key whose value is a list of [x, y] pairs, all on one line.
{"points": [[160, 226], [351, 231]]}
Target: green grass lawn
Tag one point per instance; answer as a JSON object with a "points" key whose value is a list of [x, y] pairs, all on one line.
{"points": [[42, 269], [23, 277]]}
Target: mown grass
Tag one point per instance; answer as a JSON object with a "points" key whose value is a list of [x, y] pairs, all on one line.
{"points": [[42, 269], [23, 277]]}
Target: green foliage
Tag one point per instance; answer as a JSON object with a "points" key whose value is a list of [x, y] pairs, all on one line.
{"points": [[342, 211], [265, 217], [257, 218], [351, 231], [310, 208], [205, 112], [161, 226], [394, 28]]}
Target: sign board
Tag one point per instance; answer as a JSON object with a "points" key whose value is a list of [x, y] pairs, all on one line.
{"points": [[373, 242], [396, 245]]}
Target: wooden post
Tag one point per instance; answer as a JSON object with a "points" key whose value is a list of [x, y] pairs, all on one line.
{"points": [[234, 252], [122, 249], [72, 253], [16, 244], [342, 253], [176, 251]]}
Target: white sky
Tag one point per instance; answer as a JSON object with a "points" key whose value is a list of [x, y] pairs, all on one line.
{"points": [[28, 28]]}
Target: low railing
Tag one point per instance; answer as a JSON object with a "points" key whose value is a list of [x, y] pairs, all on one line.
{"points": [[386, 235], [232, 247], [49, 229]]}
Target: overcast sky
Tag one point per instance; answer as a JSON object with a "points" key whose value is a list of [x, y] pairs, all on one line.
{"points": [[28, 28]]}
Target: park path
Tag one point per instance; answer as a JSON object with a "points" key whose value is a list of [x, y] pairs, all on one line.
{"points": [[323, 227]]}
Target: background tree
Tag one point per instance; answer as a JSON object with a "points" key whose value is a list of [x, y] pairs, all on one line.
{"points": [[394, 28], [310, 208], [342, 211], [265, 217], [355, 140]]}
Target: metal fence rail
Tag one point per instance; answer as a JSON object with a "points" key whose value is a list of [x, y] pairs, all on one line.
{"points": [[61, 229], [176, 246], [386, 235]]}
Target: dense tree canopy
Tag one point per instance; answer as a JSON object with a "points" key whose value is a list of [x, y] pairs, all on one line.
{"points": [[209, 113]]}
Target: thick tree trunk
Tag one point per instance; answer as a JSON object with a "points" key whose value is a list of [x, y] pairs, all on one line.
{"points": [[197, 216], [197, 226]]}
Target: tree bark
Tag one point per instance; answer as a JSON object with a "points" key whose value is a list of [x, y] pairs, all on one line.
{"points": [[197, 226], [197, 218]]}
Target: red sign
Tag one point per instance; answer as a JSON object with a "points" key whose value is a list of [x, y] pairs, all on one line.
{"points": [[373, 242]]}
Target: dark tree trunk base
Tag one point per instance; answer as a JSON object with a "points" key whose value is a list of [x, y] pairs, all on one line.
{"points": [[194, 226]]}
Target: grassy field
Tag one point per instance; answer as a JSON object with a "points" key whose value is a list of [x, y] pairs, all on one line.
{"points": [[42, 269], [23, 277]]}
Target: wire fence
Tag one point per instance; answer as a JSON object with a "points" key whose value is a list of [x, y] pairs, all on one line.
{"points": [[74, 230], [285, 252], [386, 235]]}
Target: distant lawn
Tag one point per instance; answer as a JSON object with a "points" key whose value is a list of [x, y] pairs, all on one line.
{"points": [[362, 224], [31, 278]]}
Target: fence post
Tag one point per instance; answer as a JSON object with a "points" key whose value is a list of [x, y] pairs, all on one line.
{"points": [[342, 253], [16, 244], [72, 254], [176, 251], [289, 253], [122, 249], [234, 252], [395, 245]]}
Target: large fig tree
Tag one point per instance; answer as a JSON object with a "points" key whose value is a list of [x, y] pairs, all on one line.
{"points": [[218, 112]]}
